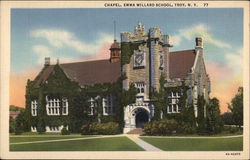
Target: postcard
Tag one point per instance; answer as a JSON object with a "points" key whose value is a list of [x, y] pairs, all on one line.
{"points": [[124, 80]]}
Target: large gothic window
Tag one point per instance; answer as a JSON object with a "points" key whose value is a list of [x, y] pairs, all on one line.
{"points": [[34, 108], [173, 106], [139, 59], [53, 106]]}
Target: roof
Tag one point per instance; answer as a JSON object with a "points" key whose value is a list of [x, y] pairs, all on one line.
{"points": [[86, 73], [115, 45], [103, 71], [180, 63], [44, 74]]}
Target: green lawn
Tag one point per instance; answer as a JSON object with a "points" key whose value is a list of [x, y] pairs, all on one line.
{"points": [[102, 144], [192, 144], [36, 138], [43, 134]]}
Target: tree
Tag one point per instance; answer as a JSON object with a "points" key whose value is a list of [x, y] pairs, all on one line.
{"points": [[11, 125], [214, 119], [15, 108], [236, 107], [228, 118], [201, 120]]}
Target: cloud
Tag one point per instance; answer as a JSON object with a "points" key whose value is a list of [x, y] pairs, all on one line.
{"points": [[62, 39], [200, 30], [235, 61], [225, 79], [42, 52]]}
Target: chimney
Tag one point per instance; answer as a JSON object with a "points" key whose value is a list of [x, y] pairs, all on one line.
{"points": [[198, 42], [47, 61]]}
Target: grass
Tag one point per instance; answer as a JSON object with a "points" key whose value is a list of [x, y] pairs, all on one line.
{"points": [[100, 144], [223, 133], [37, 134], [192, 144], [31, 139]]}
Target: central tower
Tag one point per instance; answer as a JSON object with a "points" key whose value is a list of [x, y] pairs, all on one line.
{"points": [[144, 59]]}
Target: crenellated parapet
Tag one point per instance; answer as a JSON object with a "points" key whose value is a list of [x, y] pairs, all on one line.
{"points": [[147, 61]]}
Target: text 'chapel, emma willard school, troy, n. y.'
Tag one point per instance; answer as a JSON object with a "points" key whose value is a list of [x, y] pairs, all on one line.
{"points": [[120, 89]]}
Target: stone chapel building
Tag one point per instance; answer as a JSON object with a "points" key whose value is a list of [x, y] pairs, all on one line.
{"points": [[144, 67]]}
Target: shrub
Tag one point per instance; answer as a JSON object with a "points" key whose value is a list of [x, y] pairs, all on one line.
{"points": [[18, 132], [186, 128], [85, 129], [11, 125], [163, 127], [41, 130], [231, 129], [64, 131], [104, 128]]}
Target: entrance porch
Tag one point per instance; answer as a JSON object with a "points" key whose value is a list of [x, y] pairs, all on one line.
{"points": [[136, 115]]}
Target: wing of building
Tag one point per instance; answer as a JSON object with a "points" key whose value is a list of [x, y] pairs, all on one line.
{"points": [[143, 58]]}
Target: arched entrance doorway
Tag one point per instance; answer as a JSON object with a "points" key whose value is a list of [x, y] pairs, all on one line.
{"points": [[141, 117]]}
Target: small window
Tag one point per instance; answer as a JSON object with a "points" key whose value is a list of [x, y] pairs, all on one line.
{"points": [[138, 90], [142, 90], [34, 108]]}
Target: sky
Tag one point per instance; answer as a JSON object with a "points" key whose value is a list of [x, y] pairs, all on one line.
{"points": [[86, 34]]}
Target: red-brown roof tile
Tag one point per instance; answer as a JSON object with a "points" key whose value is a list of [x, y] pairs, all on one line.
{"points": [[86, 73], [93, 72], [43, 75], [180, 63]]}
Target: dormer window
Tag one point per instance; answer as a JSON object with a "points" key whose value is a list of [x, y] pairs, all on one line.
{"points": [[139, 59]]}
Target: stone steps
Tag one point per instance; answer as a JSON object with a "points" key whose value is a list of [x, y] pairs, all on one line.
{"points": [[138, 131]]}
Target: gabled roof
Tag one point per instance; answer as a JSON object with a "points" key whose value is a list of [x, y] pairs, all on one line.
{"points": [[180, 63], [43, 75], [86, 73]]}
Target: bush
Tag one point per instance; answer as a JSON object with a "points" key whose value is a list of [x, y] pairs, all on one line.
{"points": [[18, 132], [163, 127], [11, 125], [231, 129], [41, 130], [186, 128], [85, 130], [109, 128], [64, 131]]}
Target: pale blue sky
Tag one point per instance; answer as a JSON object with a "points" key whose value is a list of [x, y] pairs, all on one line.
{"points": [[34, 32]]}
